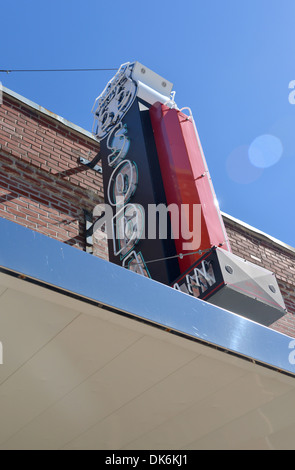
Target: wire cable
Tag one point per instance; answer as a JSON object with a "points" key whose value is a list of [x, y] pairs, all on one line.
{"points": [[56, 70], [181, 255]]}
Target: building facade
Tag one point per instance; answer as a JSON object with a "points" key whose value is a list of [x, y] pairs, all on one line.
{"points": [[94, 356], [45, 187]]}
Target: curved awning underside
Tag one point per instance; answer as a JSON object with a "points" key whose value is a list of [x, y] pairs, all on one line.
{"points": [[97, 357]]}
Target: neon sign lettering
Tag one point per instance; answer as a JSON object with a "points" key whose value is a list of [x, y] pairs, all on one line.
{"points": [[198, 281], [119, 145], [128, 222], [127, 225], [123, 182], [114, 102]]}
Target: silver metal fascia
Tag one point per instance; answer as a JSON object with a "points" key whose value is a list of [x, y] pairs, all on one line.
{"points": [[37, 258]]}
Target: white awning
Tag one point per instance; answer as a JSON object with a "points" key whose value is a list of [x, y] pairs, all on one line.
{"points": [[97, 357]]}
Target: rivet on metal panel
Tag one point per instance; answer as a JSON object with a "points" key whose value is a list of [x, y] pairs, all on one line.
{"points": [[229, 269]]}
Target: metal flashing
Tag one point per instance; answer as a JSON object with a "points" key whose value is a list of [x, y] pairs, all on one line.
{"points": [[36, 258], [258, 232], [49, 114]]}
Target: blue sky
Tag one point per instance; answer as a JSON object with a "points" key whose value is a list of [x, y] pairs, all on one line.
{"points": [[231, 62]]}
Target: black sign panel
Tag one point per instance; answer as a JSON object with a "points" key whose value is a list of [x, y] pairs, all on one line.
{"points": [[203, 278], [133, 189]]}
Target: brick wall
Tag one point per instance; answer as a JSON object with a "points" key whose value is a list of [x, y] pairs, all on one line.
{"points": [[271, 254], [45, 188], [42, 184]]}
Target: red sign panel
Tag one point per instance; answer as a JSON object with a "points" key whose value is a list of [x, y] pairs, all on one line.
{"points": [[186, 180]]}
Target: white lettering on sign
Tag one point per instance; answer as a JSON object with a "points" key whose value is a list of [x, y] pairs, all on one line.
{"points": [[198, 281], [114, 102], [118, 142], [122, 183], [134, 261], [127, 225]]}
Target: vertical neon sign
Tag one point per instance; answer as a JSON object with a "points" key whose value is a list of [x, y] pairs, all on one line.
{"points": [[152, 158], [131, 172]]}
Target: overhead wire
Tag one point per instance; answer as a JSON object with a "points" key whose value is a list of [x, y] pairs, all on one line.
{"points": [[57, 70], [180, 255]]}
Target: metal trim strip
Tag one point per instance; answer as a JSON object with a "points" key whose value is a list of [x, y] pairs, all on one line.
{"points": [[40, 259]]}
